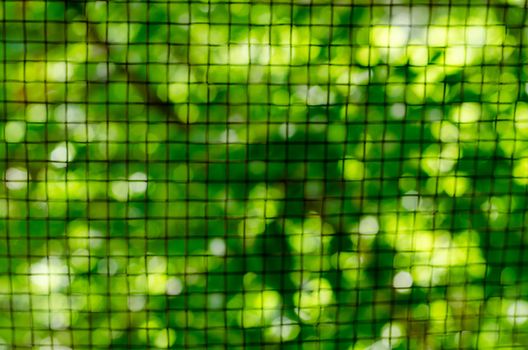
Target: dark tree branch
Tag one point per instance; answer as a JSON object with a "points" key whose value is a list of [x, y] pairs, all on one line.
{"points": [[141, 85]]}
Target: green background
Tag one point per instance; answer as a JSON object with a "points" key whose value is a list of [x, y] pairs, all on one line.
{"points": [[263, 175]]}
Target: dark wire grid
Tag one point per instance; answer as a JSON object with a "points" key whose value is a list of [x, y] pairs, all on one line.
{"points": [[199, 156]]}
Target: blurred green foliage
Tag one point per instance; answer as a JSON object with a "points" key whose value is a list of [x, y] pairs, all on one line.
{"points": [[278, 175]]}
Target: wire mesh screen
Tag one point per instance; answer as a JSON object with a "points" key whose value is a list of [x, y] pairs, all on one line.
{"points": [[304, 174]]}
